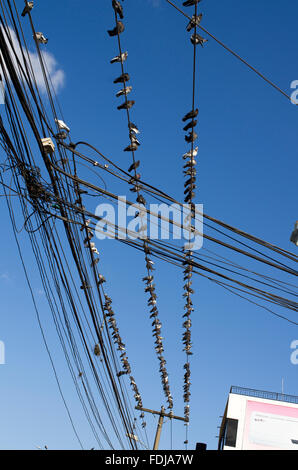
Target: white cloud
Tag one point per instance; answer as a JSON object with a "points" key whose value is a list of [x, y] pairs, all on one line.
{"points": [[4, 277], [57, 75]]}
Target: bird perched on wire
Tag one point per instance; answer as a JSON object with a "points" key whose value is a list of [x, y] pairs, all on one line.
{"points": [[131, 148], [189, 3], [120, 58], [123, 78], [134, 139], [294, 236], [191, 115], [192, 137], [195, 21], [61, 135], [141, 200], [190, 125], [189, 181], [29, 6], [197, 39], [134, 166], [119, 28], [125, 91], [118, 8], [191, 153], [133, 128], [97, 350], [126, 105], [62, 125], [41, 38]]}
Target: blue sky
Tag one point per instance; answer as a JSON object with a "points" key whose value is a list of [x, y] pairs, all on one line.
{"points": [[247, 177]]}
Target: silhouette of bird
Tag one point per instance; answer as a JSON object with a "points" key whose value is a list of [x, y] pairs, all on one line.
{"points": [[124, 91], [192, 137], [118, 8], [190, 125], [120, 58], [195, 21], [141, 200], [191, 115], [119, 28], [126, 105], [131, 148], [29, 6], [197, 39], [61, 136], [294, 236], [191, 188], [134, 166], [123, 78], [189, 197], [189, 181]]}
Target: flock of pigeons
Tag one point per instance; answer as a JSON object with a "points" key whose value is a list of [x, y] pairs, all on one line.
{"points": [[190, 172], [133, 147]]}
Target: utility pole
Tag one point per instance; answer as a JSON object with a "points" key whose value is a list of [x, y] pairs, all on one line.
{"points": [[161, 415]]}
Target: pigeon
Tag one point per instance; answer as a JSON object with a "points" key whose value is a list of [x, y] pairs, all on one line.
{"points": [[135, 189], [29, 6], [190, 125], [191, 115], [62, 125], [124, 91], [134, 140], [134, 166], [192, 153], [41, 38], [197, 39], [118, 8], [141, 200], [190, 163], [189, 197], [190, 172], [192, 137], [189, 3], [120, 58], [126, 105], [195, 21], [101, 279], [190, 181], [97, 350], [193, 186], [294, 236], [61, 135], [131, 148], [119, 28], [133, 128], [85, 286], [123, 78]]}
